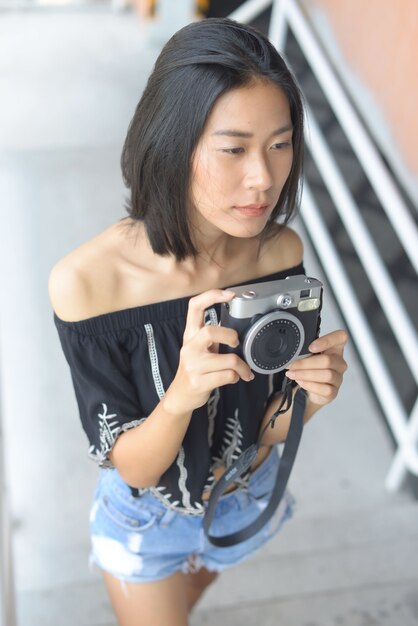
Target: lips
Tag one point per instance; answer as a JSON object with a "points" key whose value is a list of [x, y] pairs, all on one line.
{"points": [[252, 210]]}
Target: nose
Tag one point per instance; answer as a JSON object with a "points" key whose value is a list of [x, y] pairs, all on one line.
{"points": [[258, 175]]}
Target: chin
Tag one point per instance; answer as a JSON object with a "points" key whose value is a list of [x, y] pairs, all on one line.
{"points": [[246, 232]]}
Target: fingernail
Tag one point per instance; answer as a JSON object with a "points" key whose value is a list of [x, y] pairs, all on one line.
{"points": [[227, 293], [314, 346], [290, 374], [251, 377]]}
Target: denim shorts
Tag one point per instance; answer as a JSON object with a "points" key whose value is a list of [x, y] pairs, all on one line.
{"points": [[141, 540]]}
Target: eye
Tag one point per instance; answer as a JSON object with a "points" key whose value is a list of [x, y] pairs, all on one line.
{"points": [[232, 150], [281, 146]]}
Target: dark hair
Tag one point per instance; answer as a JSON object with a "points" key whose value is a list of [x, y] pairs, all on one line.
{"points": [[198, 64]]}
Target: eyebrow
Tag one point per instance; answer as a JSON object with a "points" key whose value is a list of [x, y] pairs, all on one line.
{"points": [[246, 135]]}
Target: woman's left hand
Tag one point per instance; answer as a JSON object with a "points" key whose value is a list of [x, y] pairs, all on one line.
{"points": [[321, 374]]}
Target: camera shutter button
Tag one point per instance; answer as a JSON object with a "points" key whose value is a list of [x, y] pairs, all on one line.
{"points": [[249, 294], [284, 301]]}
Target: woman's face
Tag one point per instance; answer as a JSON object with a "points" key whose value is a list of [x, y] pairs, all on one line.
{"points": [[242, 161]]}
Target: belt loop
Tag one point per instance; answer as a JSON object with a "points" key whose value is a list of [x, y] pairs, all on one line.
{"points": [[167, 518]]}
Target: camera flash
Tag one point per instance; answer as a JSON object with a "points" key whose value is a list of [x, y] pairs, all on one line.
{"points": [[308, 305]]}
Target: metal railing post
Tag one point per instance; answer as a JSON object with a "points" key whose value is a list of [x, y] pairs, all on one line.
{"points": [[7, 592], [278, 25], [249, 10]]}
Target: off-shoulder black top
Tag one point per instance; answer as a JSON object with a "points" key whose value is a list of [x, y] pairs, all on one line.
{"points": [[122, 362]]}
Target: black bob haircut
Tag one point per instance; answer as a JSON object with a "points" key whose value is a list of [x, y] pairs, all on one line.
{"points": [[198, 64]]}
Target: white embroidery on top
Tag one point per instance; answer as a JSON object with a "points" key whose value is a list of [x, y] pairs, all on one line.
{"points": [[211, 317], [212, 411], [108, 428], [159, 387], [232, 441], [108, 433], [153, 355]]}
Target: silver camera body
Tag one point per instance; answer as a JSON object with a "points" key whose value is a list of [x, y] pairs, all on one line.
{"points": [[275, 320]]}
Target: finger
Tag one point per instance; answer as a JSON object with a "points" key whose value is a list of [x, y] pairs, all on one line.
{"points": [[213, 362], [324, 361], [233, 362], [213, 380], [209, 335], [334, 340], [324, 391], [330, 377], [196, 309]]}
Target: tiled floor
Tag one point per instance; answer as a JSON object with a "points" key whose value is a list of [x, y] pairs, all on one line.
{"points": [[69, 82]]}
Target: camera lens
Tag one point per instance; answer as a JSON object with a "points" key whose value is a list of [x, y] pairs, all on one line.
{"points": [[273, 341], [275, 344]]}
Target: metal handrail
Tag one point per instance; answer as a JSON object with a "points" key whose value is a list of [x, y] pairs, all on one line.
{"points": [[287, 13], [406, 455]]}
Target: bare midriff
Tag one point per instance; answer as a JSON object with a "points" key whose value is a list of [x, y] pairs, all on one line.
{"points": [[219, 471]]}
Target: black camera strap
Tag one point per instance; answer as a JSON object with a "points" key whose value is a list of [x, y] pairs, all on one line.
{"points": [[246, 459]]}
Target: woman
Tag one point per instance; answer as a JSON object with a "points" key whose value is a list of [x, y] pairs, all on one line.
{"points": [[213, 160]]}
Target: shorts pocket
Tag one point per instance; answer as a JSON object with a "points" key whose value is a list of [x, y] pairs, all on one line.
{"points": [[262, 489], [139, 520]]}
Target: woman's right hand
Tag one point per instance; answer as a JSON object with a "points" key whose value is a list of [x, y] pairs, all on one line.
{"points": [[201, 367]]}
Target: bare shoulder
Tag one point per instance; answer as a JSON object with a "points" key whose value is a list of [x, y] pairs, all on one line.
{"points": [[68, 287], [78, 278], [284, 249], [291, 246]]}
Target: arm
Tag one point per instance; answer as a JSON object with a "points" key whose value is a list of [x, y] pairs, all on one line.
{"points": [[320, 375], [144, 452]]}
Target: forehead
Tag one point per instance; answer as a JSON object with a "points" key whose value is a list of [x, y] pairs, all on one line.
{"points": [[260, 103]]}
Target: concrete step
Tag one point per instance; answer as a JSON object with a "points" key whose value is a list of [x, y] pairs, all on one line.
{"points": [[380, 605], [362, 528], [348, 567]]}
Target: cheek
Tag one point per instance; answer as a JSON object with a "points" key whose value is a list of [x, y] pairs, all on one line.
{"points": [[284, 170], [197, 181], [211, 181], [291, 157]]}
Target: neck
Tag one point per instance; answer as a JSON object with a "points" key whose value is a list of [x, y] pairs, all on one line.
{"points": [[213, 246], [216, 252]]}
